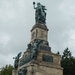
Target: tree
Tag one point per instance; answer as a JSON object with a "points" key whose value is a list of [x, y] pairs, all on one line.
{"points": [[6, 70], [68, 63]]}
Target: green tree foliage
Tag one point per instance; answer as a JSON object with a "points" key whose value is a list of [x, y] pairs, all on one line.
{"points": [[68, 63], [6, 70]]}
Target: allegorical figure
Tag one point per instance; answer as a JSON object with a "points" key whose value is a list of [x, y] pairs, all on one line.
{"points": [[16, 60], [22, 71], [40, 14], [34, 50]]}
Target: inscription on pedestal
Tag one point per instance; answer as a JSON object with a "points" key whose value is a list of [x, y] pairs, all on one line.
{"points": [[47, 58], [42, 47]]}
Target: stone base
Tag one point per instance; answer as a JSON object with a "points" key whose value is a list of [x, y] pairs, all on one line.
{"points": [[36, 68], [43, 70], [14, 72], [43, 66]]}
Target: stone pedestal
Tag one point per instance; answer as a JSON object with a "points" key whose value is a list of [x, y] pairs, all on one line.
{"points": [[38, 59], [14, 72], [43, 66], [36, 68], [39, 31]]}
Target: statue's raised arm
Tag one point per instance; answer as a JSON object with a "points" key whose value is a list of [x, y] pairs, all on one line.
{"points": [[34, 5]]}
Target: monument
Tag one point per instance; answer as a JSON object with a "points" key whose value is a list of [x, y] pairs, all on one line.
{"points": [[38, 59]]}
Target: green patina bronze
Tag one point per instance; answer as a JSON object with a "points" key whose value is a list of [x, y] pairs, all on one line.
{"points": [[22, 71], [40, 14], [16, 61], [34, 52]]}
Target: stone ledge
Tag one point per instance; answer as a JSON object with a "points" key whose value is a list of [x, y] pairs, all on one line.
{"points": [[39, 26]]}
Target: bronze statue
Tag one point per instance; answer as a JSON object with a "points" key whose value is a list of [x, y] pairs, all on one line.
{"points": [[40, 14], [22, 71], [34, 50], [16, 60]]}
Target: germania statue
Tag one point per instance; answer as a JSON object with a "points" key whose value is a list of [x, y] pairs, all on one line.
{"points": [[40, 14]]}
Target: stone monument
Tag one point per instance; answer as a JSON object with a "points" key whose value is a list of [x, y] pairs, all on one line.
{"points": [[38, 59]]}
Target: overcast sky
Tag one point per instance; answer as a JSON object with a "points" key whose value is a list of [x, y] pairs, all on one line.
{"points": [[17, 18]]}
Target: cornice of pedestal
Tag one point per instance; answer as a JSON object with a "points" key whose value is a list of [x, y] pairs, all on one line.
{"points": [[42, 26]]}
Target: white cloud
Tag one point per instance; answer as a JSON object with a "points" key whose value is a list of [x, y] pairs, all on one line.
{"points": [[4, 39], [71, 41], [6, 59], [67, 8]]}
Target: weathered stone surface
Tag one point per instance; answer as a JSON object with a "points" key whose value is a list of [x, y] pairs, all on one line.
{"points": [[39, 25], [39, 73], [39, 32], [46, 69], [14, 72]]}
